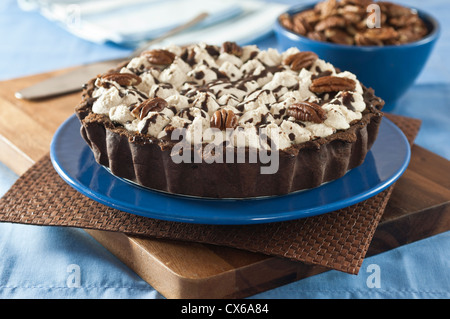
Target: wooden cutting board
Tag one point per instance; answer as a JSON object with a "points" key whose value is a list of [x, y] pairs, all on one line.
{"points": [[419, 207]]}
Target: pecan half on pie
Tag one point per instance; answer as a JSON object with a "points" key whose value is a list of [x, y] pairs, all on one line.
{"points": [[206, 120]]}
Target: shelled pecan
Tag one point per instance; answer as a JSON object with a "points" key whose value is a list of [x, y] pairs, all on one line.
{"points": [[331, 22], [300, 60], [159, 56], [223, 119], [123, 79], [336, 35], [332, 83], [150, 105], [307, 111]]}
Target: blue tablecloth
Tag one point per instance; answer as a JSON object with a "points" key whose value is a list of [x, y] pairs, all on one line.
{"points": [[43, 262]]}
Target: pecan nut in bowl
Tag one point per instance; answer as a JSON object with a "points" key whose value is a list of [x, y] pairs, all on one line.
{"points": [[313, 121], [384, 44], [345, 22]]}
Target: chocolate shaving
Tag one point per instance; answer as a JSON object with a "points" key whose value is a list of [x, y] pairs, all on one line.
{"points": [[232, 48]]}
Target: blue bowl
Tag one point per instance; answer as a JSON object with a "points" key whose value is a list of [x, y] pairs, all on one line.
{"points": [[390, 70]]}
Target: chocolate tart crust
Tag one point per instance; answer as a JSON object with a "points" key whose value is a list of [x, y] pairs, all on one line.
{"points": [[146, 160]]}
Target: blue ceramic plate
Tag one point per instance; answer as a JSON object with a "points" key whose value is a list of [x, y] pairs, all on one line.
{"points": [[75, 163]]}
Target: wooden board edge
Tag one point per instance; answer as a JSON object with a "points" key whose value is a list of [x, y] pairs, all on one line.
{"points": [[245, 281], [268, 273], [408, 229]]}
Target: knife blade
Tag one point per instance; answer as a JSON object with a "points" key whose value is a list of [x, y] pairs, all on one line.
{"points": [[73, 81], [69, 82]]}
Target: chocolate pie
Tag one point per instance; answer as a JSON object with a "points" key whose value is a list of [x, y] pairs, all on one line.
{"points": [[228, 121]]}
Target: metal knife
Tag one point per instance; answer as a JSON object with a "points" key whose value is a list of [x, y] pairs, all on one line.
{"points": [[73, 81]]}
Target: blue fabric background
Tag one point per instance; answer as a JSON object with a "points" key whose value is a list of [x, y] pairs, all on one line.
{"points": [[36, 261]]}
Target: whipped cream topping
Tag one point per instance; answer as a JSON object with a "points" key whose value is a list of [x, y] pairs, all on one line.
{"points": [[255, 85]]}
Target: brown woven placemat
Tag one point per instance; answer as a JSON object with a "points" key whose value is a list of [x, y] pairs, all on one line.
{"points": [[338, 240]]}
